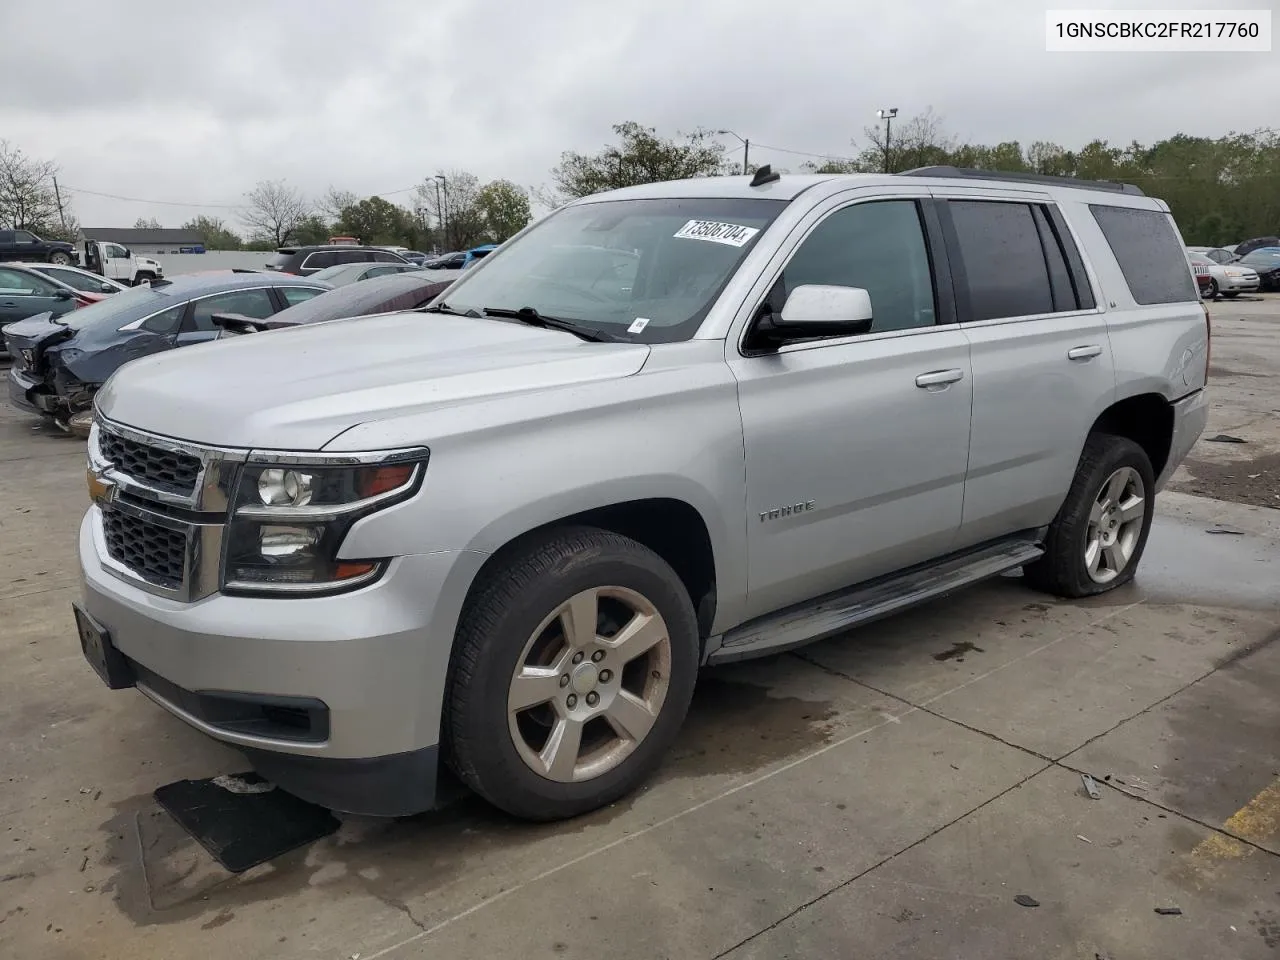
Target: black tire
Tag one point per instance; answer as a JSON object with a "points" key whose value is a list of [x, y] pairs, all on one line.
{"points": [[61, 259], [498, 619], [1213, 289], [1062, 570], [142, 278]]}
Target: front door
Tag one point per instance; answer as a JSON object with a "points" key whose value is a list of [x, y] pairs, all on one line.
{"points": [[24, 294], [119, 264], [856, 447]]}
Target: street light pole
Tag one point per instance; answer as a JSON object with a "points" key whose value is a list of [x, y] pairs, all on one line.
{"points": [[887, 116], [746, 148], [440, 208]]}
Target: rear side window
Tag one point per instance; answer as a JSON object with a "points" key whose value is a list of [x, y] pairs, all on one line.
{"points": [[1003, 259], [321, 259], [251, 303], [296, 295], [1150, 256], [384, 256], [352, 256]]}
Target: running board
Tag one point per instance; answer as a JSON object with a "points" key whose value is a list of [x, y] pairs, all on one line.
{"points": [[836, 612]]}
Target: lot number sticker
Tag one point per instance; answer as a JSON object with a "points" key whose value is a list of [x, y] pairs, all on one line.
{"points": [[731, 234]]}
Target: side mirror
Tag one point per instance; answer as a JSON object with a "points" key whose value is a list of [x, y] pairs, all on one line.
{"points": [[128, 253], [63, 295], [107, 288], [817, 310]]}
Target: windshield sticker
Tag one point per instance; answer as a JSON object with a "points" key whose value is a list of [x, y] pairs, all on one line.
{"points": [[638, 325], [732, 234]]}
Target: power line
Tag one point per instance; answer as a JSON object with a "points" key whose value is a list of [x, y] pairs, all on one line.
{"points": [[802, 153], [193, 203]]}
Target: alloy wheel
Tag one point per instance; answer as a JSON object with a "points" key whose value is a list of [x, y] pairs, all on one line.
{"points": [[1115, 525]]}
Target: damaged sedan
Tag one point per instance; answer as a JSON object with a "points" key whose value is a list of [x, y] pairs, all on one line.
{"points": [[60, 362]]}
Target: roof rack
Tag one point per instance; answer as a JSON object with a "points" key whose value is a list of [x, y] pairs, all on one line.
{"points": [[969, 173]]}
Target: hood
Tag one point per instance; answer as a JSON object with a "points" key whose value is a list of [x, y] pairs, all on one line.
{"points": [[297, 389], [41, 330]]}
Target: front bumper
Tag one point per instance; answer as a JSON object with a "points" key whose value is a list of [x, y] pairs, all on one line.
{"points": [[1190, 415], [374, 662], [1238, 284], [25, 393]]}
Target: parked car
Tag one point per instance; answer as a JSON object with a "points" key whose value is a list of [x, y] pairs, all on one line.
{"points": [[1225, 280], [1265, 262], [414, 256], [60, 362], [345, 273], [461, 260], [79, 279], [1246, 248], [25, 292], [404, 291], [1216, 254], [1204, 282], [508, 534], [25, 246], [304, 261]]}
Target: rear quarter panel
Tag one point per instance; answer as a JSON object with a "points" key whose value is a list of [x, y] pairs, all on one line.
{"points": [[1158, 348]]}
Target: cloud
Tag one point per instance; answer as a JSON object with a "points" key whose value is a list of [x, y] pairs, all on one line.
{"points": [[194, 103]]}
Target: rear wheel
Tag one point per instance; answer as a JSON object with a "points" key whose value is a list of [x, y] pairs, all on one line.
{"points": [[573, 669], [1097, 539], [60, 258]]}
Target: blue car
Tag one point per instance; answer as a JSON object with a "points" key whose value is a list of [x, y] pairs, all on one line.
{"points": [[461, 259], [60, 362]]}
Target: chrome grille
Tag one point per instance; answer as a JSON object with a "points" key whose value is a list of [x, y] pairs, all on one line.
{"points": [[156, 553], [157, 466]]}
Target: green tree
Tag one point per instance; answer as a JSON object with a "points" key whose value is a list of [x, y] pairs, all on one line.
{"points": [[504, 209], [640, 156], [217, 235], [376, 221], [312, 230]]}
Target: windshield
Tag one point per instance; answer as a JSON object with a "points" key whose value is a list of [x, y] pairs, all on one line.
{"points": [[642, 270], [1261, 258], [119, 308]]}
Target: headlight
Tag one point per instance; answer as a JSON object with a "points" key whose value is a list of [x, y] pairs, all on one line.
{"points": [[1234, 273], [288, 520]]}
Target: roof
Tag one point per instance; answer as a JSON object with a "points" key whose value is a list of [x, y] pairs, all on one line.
{"points": [[786, 187], [213, 281], [128, 235]]}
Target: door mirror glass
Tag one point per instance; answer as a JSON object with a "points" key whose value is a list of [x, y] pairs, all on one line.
{"points": [[822, 310], [62, 295]]}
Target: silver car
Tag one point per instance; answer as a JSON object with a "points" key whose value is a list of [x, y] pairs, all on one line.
{"points": [[1227, 280], [505, 536]]}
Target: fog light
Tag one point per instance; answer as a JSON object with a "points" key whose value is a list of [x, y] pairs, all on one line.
{"points": [[285, 487], [287, 543]]}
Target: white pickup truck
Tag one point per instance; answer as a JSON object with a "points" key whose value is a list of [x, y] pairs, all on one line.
{"points": [[117, 262]]}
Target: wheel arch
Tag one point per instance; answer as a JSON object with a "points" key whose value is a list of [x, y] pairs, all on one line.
{"points": [[1145, 418]]}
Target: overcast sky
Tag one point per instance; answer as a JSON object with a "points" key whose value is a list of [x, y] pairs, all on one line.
{"points": [[193, 104]]}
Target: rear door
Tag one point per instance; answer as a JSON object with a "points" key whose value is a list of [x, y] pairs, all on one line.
{"points": [[198, 327], [1043, 369], [26, 247]]}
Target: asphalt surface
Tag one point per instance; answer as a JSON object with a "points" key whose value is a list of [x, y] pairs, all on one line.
{"points": [[884, 794]]}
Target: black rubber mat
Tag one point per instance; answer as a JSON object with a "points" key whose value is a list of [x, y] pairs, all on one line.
{"points": [[242, 820]]}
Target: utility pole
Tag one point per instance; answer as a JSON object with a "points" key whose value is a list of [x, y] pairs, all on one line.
{"points": [[887, 116], [746, 148], [58, 196]]}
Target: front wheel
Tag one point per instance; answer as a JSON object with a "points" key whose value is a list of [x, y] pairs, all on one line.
{"points": [[573, 669], [142, 278], [1097, 539], [60, 258], [1212, 292]]}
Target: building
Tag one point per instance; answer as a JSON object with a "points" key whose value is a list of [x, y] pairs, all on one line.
{"points": [[147, 242]]}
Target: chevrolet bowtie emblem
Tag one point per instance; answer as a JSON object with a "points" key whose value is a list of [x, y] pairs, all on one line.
{"points": [[100, 489]]}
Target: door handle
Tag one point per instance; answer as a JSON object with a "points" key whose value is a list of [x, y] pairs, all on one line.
{"points": [[1084, 353], [938, 378]]}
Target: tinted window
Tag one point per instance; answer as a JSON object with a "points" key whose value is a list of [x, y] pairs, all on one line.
{"points": [[1150, 256], [79, 281], [294, 295], [877, 246], [1003, 260], [6, 236], [21, 283], [23, 236], [165, 322], [384, 256], [250, 303], [1064, 297], [321, 259]]}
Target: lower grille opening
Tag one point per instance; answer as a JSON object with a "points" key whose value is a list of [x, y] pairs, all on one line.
{"points": [[297, 719]]}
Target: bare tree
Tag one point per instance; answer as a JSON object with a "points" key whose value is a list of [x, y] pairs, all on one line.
{"points": [[920, 141], [147, 223], [451, 203], [274, 212], [28, 199], [335, 201]]}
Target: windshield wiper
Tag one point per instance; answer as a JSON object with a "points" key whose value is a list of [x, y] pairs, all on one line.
{"points": [[445, 308], [535, 319]]}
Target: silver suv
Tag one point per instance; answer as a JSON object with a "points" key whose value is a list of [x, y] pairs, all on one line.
{"points": [[673, 425]]}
